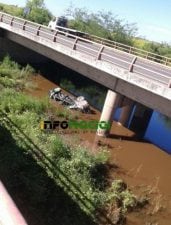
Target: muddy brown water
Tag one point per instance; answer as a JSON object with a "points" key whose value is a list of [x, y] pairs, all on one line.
{"points": [[144, 167]]}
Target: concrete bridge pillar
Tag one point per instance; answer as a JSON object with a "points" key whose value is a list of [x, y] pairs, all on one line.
{"points": [[126, 111], [141, 119], [111, 103]]}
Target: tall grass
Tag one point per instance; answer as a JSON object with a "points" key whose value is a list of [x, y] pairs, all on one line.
{"points": [[15, 102], [12, 74]]}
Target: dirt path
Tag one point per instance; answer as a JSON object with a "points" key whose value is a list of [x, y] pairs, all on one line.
{"points": [[145, 167]]}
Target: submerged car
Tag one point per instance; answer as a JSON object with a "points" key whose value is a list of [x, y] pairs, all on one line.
{"points": [[79, 103]]}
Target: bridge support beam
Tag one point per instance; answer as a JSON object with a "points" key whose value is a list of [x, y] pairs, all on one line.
{"points": [[126, 111], [111, 103], [9, 213]]}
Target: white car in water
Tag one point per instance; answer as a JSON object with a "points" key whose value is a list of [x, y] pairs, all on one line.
{"points": [[78, 103]]}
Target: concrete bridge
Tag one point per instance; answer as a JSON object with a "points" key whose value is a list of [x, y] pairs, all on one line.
{"points": [[129, 77]]}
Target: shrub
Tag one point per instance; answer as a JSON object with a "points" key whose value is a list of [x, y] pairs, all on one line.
{"points": [[59, 150], [124, 198], [14, 102], [12, 75]]}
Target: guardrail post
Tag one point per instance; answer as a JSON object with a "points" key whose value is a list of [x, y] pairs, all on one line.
{"points": [[24, 25], [100, 52], [115, 45], [130, 49], [38, 31], [147, 55], [169, 84], [1, 20], [75, 44], [11, 23], [54, 38], [165, 62], [132, 64]]}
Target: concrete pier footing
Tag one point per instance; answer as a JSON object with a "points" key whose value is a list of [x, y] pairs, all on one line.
{"points": [[126, 111], [111, 103]]}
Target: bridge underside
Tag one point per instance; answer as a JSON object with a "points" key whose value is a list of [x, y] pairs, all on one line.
{"points": [[18, 52], [95, 70]]}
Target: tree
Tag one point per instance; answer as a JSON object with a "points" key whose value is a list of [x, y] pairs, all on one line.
{"points": [[103, 24], [37, 12], [160, 49], [35, 4]]}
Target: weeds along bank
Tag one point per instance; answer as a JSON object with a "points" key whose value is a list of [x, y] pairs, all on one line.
{"points": [[32, 160]]}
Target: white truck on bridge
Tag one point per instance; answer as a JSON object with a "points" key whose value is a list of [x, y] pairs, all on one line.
{"points": [[61, 23]]}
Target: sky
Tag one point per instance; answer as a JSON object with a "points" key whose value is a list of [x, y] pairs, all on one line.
{"points": [[152, 17]]}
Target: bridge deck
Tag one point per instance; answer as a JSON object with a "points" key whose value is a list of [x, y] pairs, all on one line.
{"points": [[144, 67]]}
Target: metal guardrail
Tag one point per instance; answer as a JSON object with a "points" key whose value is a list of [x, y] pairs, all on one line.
{"points": [[133, 50], [127, 60], [126, 48]]}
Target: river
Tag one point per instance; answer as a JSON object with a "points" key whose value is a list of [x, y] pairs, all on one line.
{"points": [[158, 130], [142, 165]]}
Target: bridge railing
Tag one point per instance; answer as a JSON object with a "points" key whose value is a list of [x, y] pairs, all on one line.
{"points": [[133, 50], [131, 62]]}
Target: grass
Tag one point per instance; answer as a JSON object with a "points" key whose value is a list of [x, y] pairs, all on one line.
{"points": [[15, 102], [64, 113], [47, 203], [38, 158], [75, 165], [12, 75]]}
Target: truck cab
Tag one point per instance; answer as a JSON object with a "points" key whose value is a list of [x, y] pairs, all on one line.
{"points": [[56, 22]]}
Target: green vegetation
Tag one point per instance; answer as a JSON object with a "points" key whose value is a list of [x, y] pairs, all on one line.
{"points": [[122, 196], [34, 10], [41, 166], [37, 12], [163, 49], [102, 24], [108, 26], [15, 102], [13, 75], [11, 9]]}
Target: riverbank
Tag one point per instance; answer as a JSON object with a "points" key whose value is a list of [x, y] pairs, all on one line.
{"points": [[145, 167]]}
